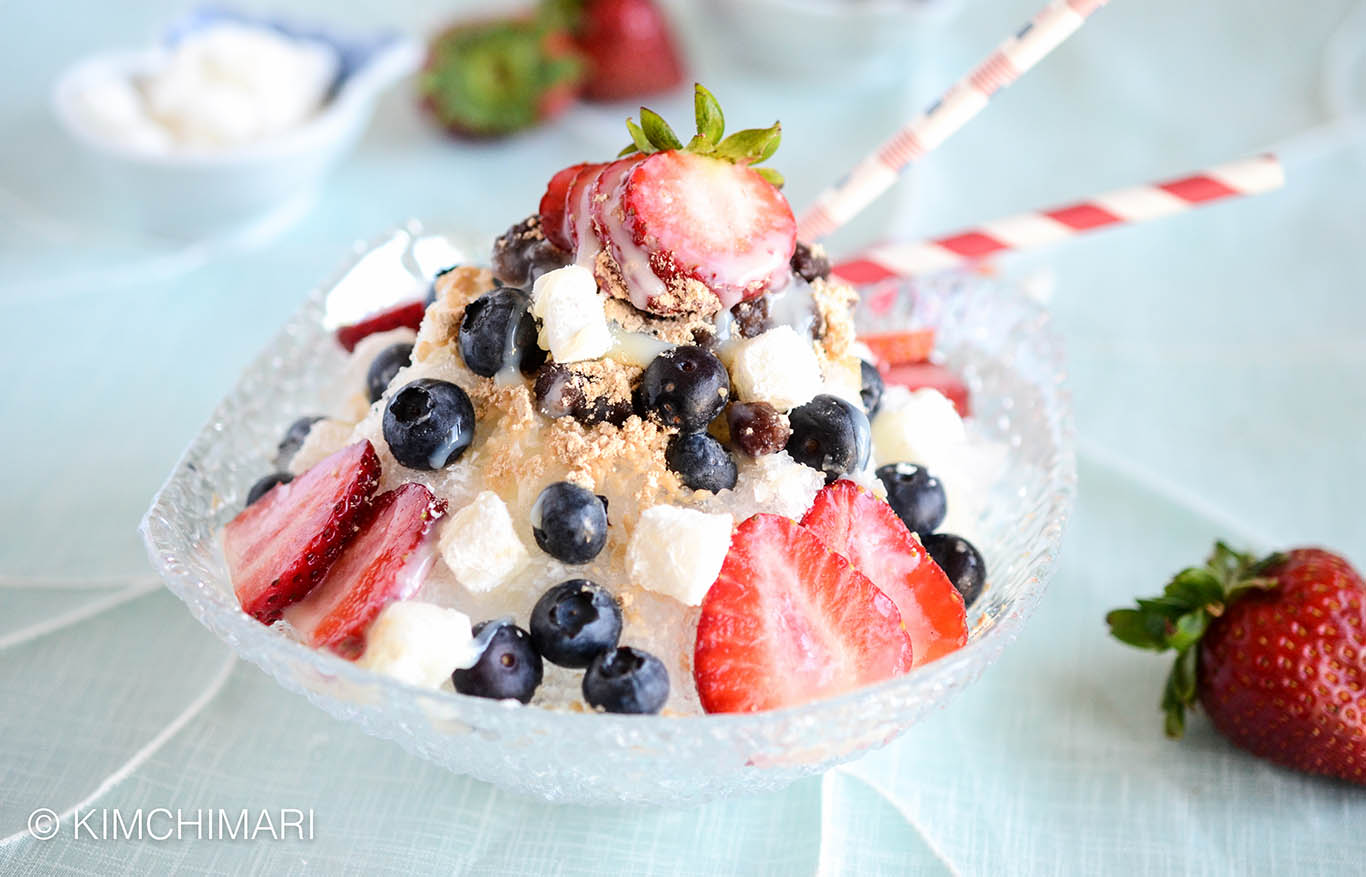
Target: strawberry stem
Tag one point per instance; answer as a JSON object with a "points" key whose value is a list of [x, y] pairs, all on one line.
{"points": [[1178, 619], [748, 147]]}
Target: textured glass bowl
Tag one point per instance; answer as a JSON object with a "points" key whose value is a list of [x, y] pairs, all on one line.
{"points": [[1003, 345]]}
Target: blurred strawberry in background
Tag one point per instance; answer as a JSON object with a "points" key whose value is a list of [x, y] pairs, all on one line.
{"points": [[628, 46], [490, 78]]}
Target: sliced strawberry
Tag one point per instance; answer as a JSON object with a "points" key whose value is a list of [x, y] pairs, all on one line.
{"points": [[578, 214], [386, 561], [917, 376], [398, 317], [900, 348], [789, 621], [710, 220], [859, 526], [279, 547], [553, 206], [611, 232], [629, 47]]}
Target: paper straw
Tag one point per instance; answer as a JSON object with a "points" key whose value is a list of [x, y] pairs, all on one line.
{"points": [[964, 100], [1250, 176]]}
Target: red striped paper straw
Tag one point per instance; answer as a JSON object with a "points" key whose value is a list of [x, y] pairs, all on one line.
{"points": [[1249, 176], [876, 173]]}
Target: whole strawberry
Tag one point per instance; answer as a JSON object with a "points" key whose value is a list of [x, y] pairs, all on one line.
{"points": [[487, 79], [1274, 649], [628, 45]]}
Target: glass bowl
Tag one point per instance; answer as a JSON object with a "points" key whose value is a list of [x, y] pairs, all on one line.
{"points": [[999, 341]]}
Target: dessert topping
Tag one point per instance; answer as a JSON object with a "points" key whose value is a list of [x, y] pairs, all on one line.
{"points": [[498, 332], [574, 622], [278, 548], [915, 495], [480, 545], [864, 529], [678, 551], [573, 321], [569, 522], [626, 680], [684, 387], [701, 462], [830, 435], [419, 643], [789, 621], [384, 561], [778, 367], [509, 667], [428, 424]]}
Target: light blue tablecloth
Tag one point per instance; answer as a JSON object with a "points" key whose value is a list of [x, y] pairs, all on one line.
{"points": [[1219, 366]]}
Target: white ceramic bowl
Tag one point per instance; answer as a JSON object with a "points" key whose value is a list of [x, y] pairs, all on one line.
{"points": [[192, 195], [997, 339]]}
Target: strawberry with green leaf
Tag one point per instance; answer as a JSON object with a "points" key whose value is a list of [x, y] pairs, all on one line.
{"points": [[687, 227], [627, 44], [1273, 649], [492, 78]]}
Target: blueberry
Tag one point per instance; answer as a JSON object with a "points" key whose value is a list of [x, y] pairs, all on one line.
{"points": [[700, 462], [574, 622], [294, 439], [428, 424], [509, 667], [626, 680], [569, 522], [522, 254], [262, 487], [961, 562], [871, 391], [830, 435], [384, 367], [497, 332], [915, 495], [684, 387]]}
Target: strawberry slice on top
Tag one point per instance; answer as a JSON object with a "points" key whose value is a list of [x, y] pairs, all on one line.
{"points": [[859, 526], [554, 206], [701, 218], [788, 621], [280, 547], [685, 229], [386, 561]]}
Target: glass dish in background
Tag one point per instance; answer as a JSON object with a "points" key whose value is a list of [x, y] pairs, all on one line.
{"points": [[998, 340]]}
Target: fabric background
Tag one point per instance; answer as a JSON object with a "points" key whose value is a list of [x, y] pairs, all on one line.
{"points": [[1218, 362]]}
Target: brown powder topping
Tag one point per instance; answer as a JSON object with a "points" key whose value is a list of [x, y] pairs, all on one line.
{"points": [[683, 299], [454, 290]]}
